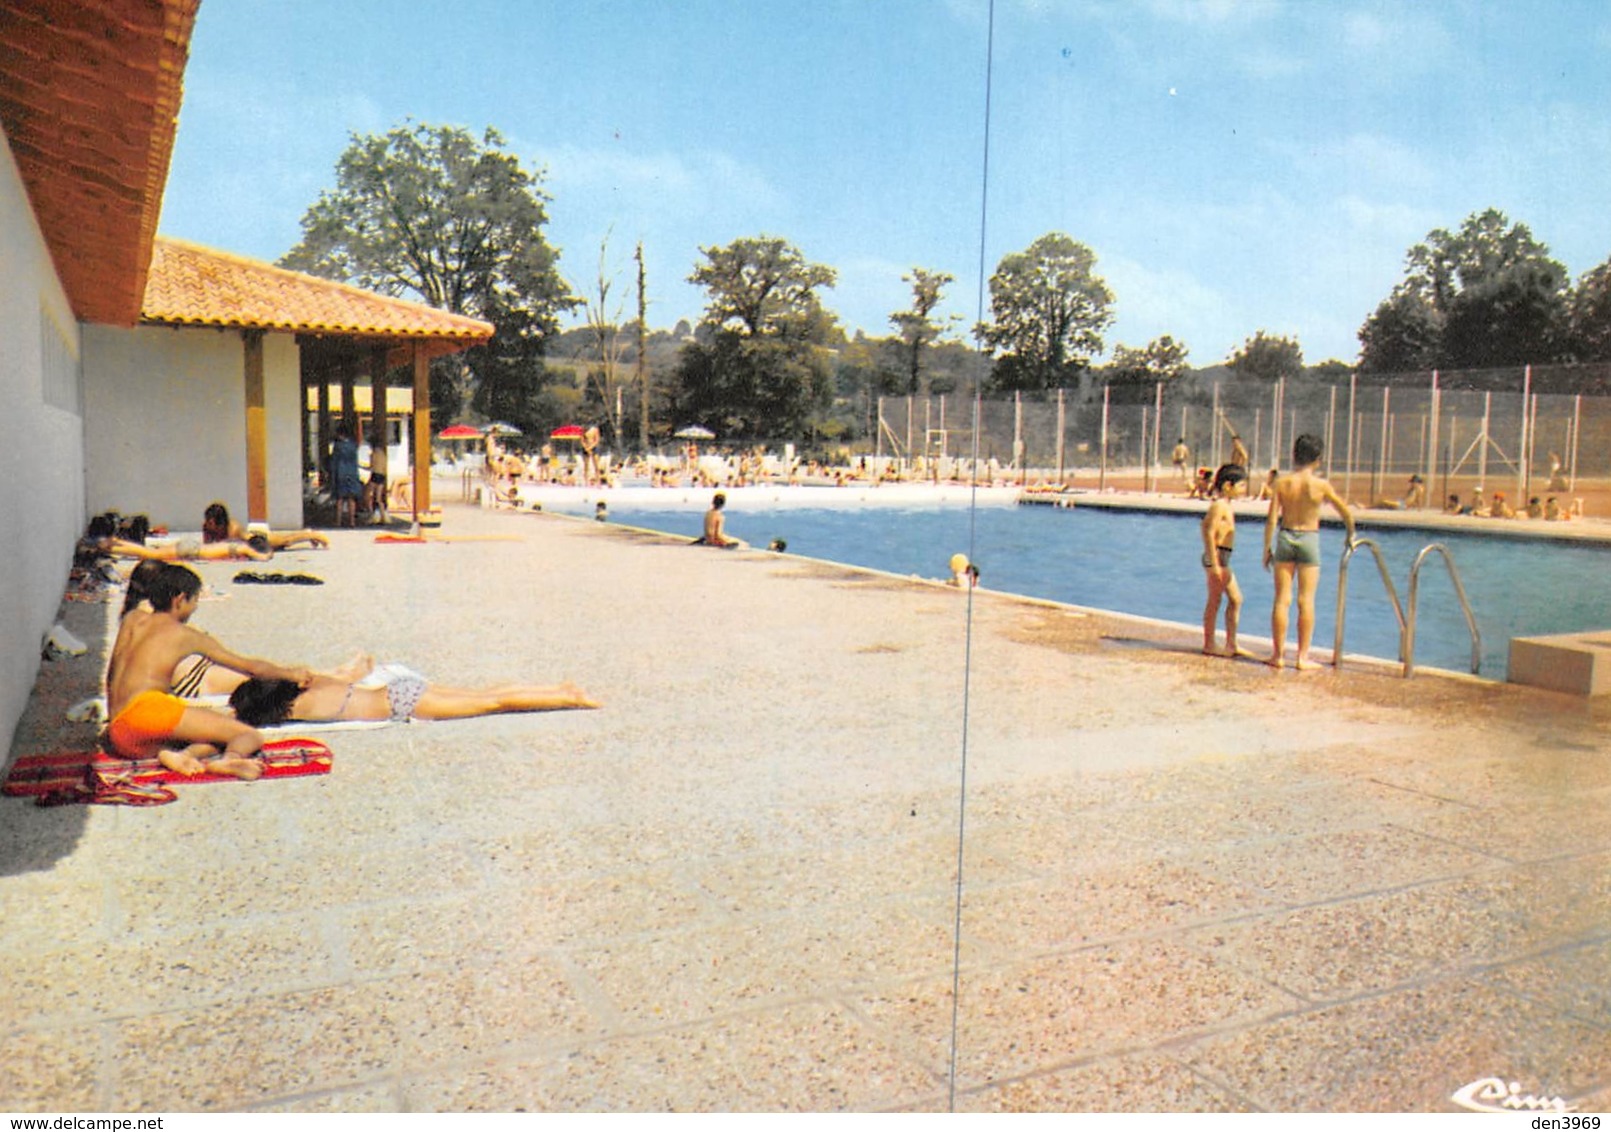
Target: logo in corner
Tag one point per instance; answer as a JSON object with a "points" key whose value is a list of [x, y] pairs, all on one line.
{"points": [[1491, 1094]]}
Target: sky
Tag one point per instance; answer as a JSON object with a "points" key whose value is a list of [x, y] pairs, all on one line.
{"points": [[1235, 165]]}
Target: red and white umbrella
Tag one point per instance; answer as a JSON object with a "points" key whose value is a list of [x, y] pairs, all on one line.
{"points": [[459, 432], [567, 432]]}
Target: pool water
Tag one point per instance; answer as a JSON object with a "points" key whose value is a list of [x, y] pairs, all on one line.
{"points": [[1148, 563]]}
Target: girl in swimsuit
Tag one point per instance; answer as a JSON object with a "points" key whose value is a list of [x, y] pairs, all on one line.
{"points": [[404, 695]]}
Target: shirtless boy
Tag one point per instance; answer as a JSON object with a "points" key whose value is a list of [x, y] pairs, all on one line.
{"points": [[1219, 537], [147, 719], [715, 526], [1292, 545]]}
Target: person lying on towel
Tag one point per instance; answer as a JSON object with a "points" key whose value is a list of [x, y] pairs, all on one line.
{"points": [[392, 692]]}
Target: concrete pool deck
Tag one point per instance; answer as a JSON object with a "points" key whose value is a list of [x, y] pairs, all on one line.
{"points": [[1189, 883]]}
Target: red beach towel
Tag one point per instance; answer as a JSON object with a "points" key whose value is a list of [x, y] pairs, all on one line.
{"points": [[92, 778]]}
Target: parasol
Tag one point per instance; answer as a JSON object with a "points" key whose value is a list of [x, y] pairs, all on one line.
{"points": [[566, 432], [459, 432], [694, 432]]}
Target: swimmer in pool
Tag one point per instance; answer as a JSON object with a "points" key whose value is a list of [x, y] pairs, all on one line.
{"points": [[1292, 546]]}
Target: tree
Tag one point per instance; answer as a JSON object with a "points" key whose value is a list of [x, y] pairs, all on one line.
{"points": [[1404, 335], [1048, 311], [917, 328], [605, 381], [1266, 358], [1163, 359], [1487, 295], [1591, 315], [765, 286], [759, 364], [432, 213]]}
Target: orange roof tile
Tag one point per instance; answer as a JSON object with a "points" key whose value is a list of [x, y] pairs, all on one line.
{"points": [[190, 285], [89, 101]]}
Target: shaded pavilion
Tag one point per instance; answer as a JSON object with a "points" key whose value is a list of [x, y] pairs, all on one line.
{"points": [[346, 337]]}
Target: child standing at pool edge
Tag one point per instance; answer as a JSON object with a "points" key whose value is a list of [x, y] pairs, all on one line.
{"points": [[1219, 536], [1292, 546]]}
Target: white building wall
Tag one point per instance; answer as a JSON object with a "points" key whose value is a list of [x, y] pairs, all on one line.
{"points": [[42, 452], [165, 423]]}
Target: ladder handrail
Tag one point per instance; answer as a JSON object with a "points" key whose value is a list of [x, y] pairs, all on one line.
{"points": [[1407, 634], [1342, 595]]}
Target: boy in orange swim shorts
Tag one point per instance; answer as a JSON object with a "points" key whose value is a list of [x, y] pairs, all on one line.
{"points": [[147, 719], [145, 724]]}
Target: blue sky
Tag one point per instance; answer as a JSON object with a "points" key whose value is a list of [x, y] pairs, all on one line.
{"points": [[1236, 165]]}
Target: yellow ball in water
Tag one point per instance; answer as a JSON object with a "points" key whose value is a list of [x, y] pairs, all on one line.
{"points": [[959, 563]]}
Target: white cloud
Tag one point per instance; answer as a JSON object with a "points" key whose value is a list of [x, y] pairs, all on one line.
{"points": [[1373, 159], [1172, 301]]}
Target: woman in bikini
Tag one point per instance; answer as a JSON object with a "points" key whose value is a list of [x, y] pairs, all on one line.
{"points": [[394, 693]]}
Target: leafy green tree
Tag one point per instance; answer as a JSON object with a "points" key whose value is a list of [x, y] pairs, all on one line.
{"points": [[1048, 311], [1162, 359], [1403, 336], [1332, 371], [1133, 374], [1267, 358], [917, 326], [1486, 295], [759, 365], [764, 286], [434, 214], [1591, 315]]}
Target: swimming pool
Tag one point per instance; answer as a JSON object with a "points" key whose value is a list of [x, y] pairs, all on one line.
{"points": [[1147, 563]]}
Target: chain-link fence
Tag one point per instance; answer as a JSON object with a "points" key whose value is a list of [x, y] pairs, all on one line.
{"points": [[1529, 430]]}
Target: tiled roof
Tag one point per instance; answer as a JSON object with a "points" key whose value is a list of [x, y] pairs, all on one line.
{"points": [[89, 100], [190, 285]]}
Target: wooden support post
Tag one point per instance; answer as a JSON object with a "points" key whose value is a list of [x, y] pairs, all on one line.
{"points": [[422, 433], [377, 399], [256, 429]]}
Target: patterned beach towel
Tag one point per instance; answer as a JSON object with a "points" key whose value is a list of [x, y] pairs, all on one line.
{"points": [[91, 778]]}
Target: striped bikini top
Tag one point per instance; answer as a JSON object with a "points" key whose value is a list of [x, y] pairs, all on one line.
{"points": [[187, 678]]}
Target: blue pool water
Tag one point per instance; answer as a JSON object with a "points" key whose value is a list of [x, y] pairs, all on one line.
{"points": [[1147, 563]]}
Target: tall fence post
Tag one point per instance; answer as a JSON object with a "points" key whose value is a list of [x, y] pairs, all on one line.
{"points": [[1060, 422], [1577, 427], [1430, 471], [1331, 428], [878, 442], [1157, 426], [1102, 465], [1382, 442], [1523, 456], [1482, 450], [1146, 465], [1018, 435], [1348, 471]]}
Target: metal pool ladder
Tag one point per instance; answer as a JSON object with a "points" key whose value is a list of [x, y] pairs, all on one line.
{"points": [[1406, 620]]}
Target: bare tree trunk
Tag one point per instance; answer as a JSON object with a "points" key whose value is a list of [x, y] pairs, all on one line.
{"points": [[643, 361]]}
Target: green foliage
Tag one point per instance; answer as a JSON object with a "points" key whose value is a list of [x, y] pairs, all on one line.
{"points": [[744, 386], [1048, 311], [1267, 358], [917, 326], [1163, 359], [1487, 295], [434, 214], [765, 286], [1590, 315], [759, 365]]}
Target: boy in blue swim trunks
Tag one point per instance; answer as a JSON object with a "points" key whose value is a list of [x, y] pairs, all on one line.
{"points": [[1292, 546]]}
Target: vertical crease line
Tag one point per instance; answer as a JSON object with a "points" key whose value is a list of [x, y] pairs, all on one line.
{"points": [[973, 511]]}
